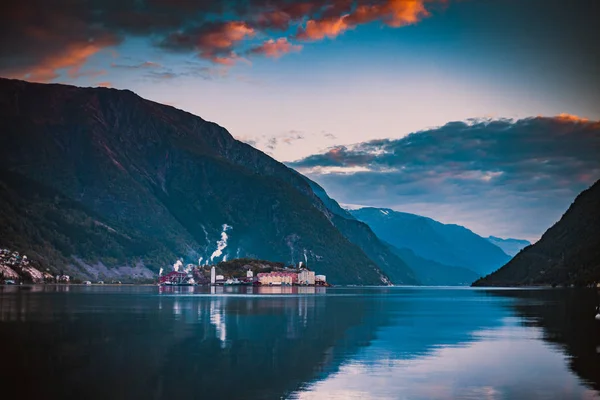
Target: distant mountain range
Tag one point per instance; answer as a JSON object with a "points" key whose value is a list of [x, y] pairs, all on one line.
{"points": [[100, 182], [509, 246], [359, 233], [568, 253], [433, 273], [440, 253]]}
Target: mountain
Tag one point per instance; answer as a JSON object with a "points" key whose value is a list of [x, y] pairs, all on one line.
{"points": [[568, 253], [359, 233], [446, 244], [432, 273], [509, 246], [401, 265], [99, 181]]}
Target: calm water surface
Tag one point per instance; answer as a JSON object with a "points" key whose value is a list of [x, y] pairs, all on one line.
{"points": [[97, 342]]}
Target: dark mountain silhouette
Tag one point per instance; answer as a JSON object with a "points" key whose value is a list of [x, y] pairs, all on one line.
{"points": [[100, 179], [509, 246], [446, 244], [568, 253]]}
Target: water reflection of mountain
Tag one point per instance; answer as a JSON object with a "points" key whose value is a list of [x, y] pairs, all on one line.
{"points": [[270, 343], [451, 344], [289, 343], [567, 319], [89, 344], [423, 320]]}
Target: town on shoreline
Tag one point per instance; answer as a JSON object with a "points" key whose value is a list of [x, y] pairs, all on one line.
{"points": [[16, 268], [242, 272]]}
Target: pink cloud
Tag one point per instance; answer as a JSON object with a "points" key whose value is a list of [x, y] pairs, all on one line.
{"points": [[276, 48]]}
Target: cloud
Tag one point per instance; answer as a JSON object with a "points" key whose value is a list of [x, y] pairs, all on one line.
{"points": [[164, 75], [270, 143], [39, 40], [283, 141], [275, 48], [143, 65], [246, 140], [276, 19], [72, 58], [504, 177], [320, 29], [393, 13], [104, 84], [157, 72], [213, 41]]}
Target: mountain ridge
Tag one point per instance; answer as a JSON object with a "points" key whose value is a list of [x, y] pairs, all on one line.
{"points": [[363, 236], [184, 184], [510, 246], [447, 244]]}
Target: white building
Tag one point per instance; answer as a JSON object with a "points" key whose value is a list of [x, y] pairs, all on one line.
{"points": [[320, 278], [249, 274], [213, 276], [306, 277]]}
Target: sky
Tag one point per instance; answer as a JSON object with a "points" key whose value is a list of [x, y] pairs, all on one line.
{"points": [[298, 78], [498, 177]]}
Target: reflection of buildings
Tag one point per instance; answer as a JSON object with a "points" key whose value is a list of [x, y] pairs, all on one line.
{"points": [[217, 319]]}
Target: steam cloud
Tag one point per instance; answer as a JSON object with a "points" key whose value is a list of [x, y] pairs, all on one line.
{"points": [[221, 244], [177, 265]]}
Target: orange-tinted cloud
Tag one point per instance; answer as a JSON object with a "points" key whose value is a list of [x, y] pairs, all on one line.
{"points": [[320, 29], [394, 13], [571, 118], [72, 58], [226, 35], [42, 38], [275, 48], [214, 42], [226, 60], [104, 84]]}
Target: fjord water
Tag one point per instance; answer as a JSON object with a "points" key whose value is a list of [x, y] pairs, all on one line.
{"points": [[300, 343]]}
